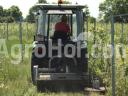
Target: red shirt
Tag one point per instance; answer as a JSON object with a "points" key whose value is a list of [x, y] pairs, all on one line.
{"points": [[61, 26]]}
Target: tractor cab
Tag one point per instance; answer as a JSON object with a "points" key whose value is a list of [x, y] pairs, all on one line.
{"points": [[49, 15], [56, 60]]}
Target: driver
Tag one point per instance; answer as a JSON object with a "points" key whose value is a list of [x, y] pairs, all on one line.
{"points": [[62, 29]]}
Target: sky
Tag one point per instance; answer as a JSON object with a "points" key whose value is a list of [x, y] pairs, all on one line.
{"points": [[25, 5]]}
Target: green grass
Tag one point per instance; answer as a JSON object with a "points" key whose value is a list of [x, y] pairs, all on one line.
{"points": [[17, 82]]}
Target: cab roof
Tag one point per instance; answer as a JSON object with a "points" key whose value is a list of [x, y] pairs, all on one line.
{"points": [[60, 6]]}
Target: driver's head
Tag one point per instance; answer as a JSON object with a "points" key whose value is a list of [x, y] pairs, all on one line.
{"points": [[64, 18]]}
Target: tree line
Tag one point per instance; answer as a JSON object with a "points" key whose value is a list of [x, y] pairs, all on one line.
{"points": [[106, 8], [10, 15], [114, 7], [13, 14]]}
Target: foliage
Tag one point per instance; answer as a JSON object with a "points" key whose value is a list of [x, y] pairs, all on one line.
{"points": [[31, 17], [66, 2], [113, 7], [1, 11], [102, 66], [92, 19], [15, 12], [10, 15], [42, 1], [34, 9], [86, 12]]}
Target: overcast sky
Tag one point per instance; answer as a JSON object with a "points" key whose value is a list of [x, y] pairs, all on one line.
{"points": [[24, 5]]}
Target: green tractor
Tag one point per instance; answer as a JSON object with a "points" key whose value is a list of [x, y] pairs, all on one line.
{"points": [[56, 63]]}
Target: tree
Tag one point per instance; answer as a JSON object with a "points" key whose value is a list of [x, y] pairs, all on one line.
{"points": [[42, 1], [113, 7], [86, 11], [15, 12], [31, 16], [63, 2], [10, 15], [1, 11], [91, 19], [66, 2]]}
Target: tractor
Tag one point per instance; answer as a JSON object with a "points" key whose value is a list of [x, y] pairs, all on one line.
{"points": [[54, 63]]}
